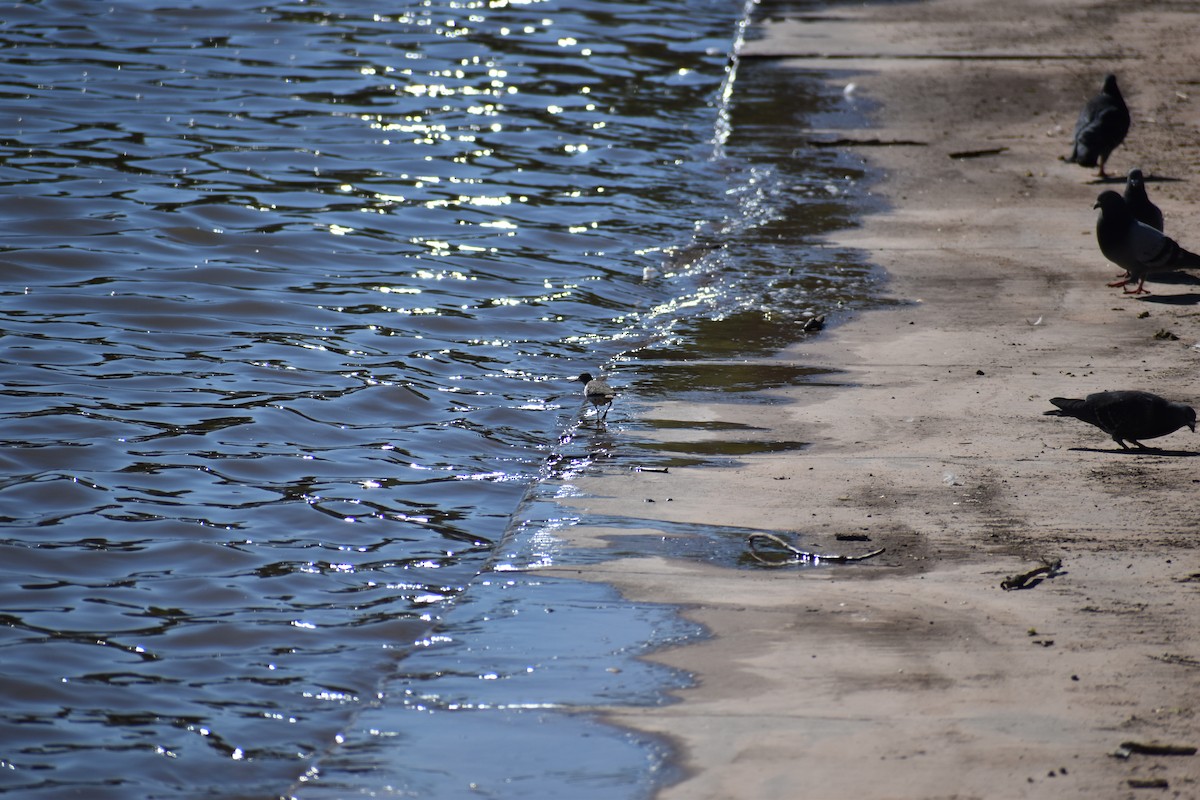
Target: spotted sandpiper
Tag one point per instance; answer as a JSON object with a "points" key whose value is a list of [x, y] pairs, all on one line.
{"points": [[597, 392]]}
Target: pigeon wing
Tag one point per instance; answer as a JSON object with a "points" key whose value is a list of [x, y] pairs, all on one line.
{"points": [[1153, 251], [1124, 415], [1101, 127]]}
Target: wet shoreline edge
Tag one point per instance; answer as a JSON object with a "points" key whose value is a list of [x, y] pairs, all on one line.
{"points": [[666, 752]]}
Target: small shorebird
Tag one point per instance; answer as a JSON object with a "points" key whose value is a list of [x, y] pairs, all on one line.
{"points": [[597, 392]]}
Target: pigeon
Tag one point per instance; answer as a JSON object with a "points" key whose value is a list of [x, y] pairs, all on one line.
{"points": [[597, 392], [1139, 203], [1102, 126], [1127, 416], [1135, 246]]}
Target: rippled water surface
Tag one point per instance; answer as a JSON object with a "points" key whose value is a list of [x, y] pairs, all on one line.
{"points": [[292, 295]]}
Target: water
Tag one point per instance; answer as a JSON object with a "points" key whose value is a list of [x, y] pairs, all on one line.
{"points": [[292, 295]]}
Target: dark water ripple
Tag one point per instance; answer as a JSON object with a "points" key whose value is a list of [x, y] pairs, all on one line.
{"points": [[291, 291]]}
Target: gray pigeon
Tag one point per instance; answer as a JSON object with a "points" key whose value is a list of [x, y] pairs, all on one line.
{"points": [[1102, 126], [1135, 246], [1139, 203], [1127, 416], [597, 392]]}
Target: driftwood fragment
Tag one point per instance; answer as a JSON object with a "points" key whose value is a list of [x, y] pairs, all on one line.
{"points": [[760, 544], [1027, 580], [876, 142], [1154, 749], [1148, 783], [650, 469], [991, 151]]}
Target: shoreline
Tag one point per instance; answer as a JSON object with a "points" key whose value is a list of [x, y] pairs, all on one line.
{"points": [[914, 674]]}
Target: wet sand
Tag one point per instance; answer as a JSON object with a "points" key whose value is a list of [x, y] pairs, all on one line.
{"points": [[913, 674]]}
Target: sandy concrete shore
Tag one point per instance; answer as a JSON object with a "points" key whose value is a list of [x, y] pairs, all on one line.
{"points": [[914, 675]]}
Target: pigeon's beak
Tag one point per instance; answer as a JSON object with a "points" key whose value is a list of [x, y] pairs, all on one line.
{"points": [[1096, 204], [1192, 426]]}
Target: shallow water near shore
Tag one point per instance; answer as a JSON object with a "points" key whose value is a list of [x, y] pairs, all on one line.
{"points": [[294, 298]]}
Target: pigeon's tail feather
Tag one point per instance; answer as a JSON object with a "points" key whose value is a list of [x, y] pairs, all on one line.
{"points": [[1188, 260], [1077, 409], [1067, 407], [1082, 156]]}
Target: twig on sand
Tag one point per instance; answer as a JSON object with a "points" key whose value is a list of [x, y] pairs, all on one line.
{"points": [[1183, 661], [793, 555], [1027, 580]]}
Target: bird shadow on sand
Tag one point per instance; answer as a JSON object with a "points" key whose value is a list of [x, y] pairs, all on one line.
{"points": [[1146, 451], [1109, 180], [1160, 179], [1177, 278], [1188, 299]]}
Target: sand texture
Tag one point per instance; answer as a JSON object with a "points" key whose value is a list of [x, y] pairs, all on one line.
{"points": [[913, 674]]}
